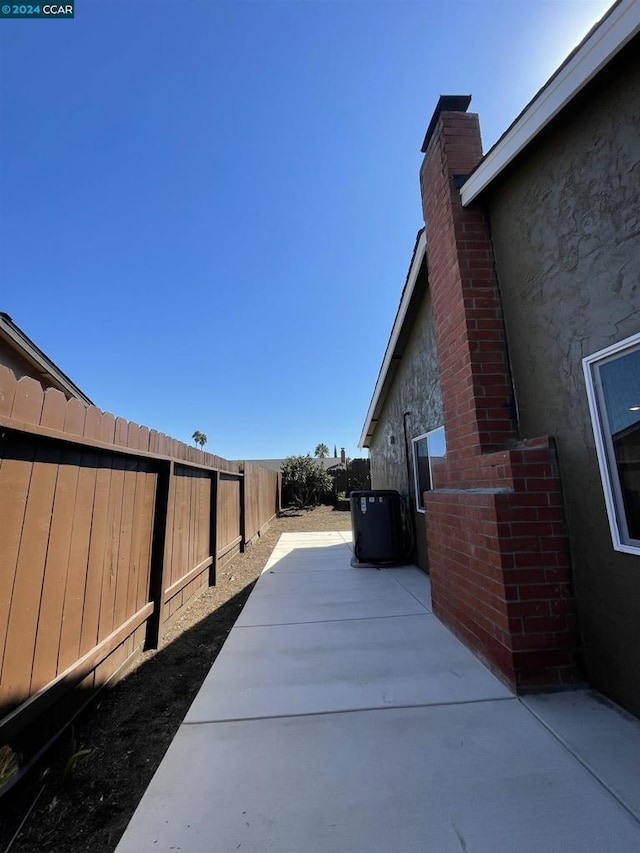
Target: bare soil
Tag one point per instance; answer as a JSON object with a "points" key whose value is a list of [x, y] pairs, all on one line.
{"points": [[81, 796]]}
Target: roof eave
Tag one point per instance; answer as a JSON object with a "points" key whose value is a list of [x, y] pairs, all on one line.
{"points": [[401, 317], [600, 46]]}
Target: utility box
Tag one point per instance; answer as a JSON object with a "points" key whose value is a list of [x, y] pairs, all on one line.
{"points": [[378, 524]]}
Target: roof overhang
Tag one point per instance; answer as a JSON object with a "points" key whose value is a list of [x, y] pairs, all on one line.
{"points": [[41, 364], [393, 353], [598, 48]]}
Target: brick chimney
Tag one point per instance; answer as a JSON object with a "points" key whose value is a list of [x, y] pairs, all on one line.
{"points": [[498, 555], [343, 456]]}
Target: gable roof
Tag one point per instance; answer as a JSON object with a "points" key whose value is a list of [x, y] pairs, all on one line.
{"points": [[40, 365], [395, 347]]}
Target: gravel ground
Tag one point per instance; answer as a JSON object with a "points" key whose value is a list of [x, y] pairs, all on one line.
{"points": [[89, 784]]}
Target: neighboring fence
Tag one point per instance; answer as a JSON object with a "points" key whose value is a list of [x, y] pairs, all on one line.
{"points": [[357, 475], [107, 529], [261, 499]]}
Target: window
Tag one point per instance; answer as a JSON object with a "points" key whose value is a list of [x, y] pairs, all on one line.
{"points": [[613, 388], [429, 450]]}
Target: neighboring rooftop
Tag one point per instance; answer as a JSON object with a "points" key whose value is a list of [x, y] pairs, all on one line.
{"points": [[19, 353], [327, 463]]}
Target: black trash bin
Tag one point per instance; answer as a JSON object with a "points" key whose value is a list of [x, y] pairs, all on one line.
{"points": [[379, 527]]}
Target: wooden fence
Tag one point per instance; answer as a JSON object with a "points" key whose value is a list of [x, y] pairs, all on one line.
{"points": [[107, 530]]}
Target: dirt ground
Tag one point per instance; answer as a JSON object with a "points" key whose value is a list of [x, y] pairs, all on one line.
{"points": [[88, 785]]}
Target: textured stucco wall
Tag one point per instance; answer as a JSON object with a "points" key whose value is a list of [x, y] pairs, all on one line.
{"points": [[416, 390], [566, 229]]}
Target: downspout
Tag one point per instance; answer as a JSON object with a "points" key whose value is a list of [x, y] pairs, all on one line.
{"points": [[406, 452], [412, 514]]}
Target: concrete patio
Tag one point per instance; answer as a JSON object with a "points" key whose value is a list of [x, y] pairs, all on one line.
{"points": [[341, 716]]}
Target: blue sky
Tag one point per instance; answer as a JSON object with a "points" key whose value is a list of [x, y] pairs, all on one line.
{"points": [[208, 208]]}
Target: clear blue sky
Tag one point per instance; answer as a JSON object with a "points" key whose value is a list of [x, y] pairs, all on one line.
{"points": [[208, 208]]}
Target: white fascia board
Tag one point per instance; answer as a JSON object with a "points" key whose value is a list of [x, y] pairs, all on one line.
{"points": [[412, 277], [607, 39]]}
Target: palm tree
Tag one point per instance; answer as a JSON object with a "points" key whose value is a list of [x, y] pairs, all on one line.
{"points": [[321, 451], [199, 438]]}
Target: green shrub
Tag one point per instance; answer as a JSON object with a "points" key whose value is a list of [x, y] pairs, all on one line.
{"points": [[304, 481]]}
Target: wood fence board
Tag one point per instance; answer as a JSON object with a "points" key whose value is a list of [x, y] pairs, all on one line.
{"points": [[204, 527], [110, 568], [122, 431], [133, 435], [108, 428], [144, 559], [54, 409], [181, 535], [28, 400], [93, 423], [8, 385], [194, 489], [74, 420], [75, 593], [56, 573], [195, 509], [144, 435], [15, 478], [125, 537], [136, 535], [157, 582], [173, 522], [139, 523], [95, 557], [185, 561], [181, 564], [25, 602]]}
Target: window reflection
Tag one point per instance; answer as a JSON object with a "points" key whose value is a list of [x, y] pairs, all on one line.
{"points": [[437, 450], [421, 468], [429, 451], [620, 394]]}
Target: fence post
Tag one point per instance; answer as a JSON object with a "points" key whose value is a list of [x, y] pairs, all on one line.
{"points": [[213, 527], [156, 576], [243, 511]]}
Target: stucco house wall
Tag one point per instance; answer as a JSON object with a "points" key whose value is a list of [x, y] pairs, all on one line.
{"points": [[565, 223], [416, 391]]}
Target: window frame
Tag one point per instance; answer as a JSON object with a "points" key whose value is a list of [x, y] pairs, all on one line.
{"points": [[604, 445], [414, 442]]}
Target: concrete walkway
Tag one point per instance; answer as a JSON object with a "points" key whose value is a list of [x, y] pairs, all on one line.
{"points": [[341, 716]]}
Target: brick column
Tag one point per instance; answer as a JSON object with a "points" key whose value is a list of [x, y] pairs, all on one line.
{"points": [[495, 529]]}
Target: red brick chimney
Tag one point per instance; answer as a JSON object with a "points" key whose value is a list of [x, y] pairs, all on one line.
{"points": [[497, 544], [343, 456]]}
